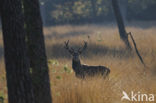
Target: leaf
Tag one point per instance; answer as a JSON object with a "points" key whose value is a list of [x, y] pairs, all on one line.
{"points": [[1, 99], [53, 70], [58, 77], [53, 62]]}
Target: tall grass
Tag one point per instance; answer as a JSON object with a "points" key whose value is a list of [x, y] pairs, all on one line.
{"points": [[104, 48]]}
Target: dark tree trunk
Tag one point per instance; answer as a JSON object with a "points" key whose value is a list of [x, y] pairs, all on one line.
{"points": [[123, 4], [36, 52], [16, 61], [121, 26]]}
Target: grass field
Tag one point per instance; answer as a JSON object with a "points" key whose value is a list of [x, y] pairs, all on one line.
{"points": [[104, 48]]}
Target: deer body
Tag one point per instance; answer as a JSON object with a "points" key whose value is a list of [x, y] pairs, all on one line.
{"points": [[84, 70], [81, 70]]}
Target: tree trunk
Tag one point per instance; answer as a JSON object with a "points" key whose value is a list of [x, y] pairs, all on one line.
{"points": [[121, 26], [123, 4], [17, 67], [36, 52]]}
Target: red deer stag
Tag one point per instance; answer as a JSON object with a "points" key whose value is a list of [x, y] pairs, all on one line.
{"points": [[81, 70]]}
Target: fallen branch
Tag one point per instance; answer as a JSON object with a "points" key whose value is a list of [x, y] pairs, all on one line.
{"points": [[137, 52]]}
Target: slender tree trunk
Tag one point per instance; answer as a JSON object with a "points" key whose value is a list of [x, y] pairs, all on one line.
{"points": [[121, 26], [16, 61], [36, 52]]}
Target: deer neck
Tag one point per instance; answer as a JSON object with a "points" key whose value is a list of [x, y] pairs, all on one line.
{"points": [[76, 64]]}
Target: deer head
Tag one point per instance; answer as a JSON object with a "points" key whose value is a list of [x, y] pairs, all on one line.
{"points": [[75, 52]]}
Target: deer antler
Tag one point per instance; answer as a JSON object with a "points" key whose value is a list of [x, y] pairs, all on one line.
{"points": [[70, 50], [80, 50]]}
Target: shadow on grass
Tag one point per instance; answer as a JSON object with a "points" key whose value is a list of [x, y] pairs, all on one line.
{"points": [[58, 51], [112, 23], [66, 35]]}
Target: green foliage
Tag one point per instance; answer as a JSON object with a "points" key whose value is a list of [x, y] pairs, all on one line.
{"points": [[58, 77], [53, 62], [31, 70], [1, 97], [140, 5], [141, 9], [66, 69], [74, 11], [69, 11], [53, 70], [58, 94]]}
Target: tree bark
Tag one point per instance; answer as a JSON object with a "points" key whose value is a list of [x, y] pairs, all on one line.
{"points": [[36, 52], [123, 4], [120, 23], [17, 67]]}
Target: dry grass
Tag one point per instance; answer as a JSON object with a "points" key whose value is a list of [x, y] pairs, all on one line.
{"points": [[104, 48]]}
